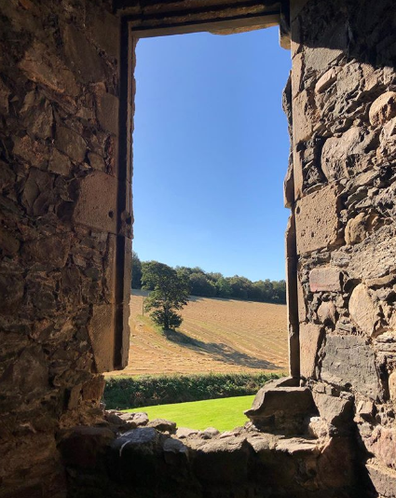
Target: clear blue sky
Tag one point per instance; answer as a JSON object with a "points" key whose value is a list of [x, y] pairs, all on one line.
{"points": [[211, 152]]}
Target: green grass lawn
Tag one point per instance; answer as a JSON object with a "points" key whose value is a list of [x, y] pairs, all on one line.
{"points": [[224, 414]]}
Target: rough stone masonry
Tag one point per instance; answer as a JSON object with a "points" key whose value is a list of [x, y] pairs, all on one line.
{"points": [[65, 241]]}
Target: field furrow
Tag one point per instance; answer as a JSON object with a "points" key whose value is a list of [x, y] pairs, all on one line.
{"points": [[217, 335]]}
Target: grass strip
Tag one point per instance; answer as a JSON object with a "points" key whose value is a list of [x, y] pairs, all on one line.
{"points": [[133, 392], [223, 414]]}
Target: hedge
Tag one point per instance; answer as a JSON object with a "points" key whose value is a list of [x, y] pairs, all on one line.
{"points": [[131, 392]]}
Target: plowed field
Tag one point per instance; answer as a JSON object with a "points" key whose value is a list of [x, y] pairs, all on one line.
{"points": [[217, 335]]}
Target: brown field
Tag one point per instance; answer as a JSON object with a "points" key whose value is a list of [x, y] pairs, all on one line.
{"points": [[217, 335]]}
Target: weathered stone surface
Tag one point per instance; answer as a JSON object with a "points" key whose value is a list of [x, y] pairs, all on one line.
{"points": [[383, 479], [327, 312], [96, 205], [223, 460], [45, 68], [327, 279], [357, 260], [108, 106], [356, 230], [302, 127], [310, 337], [383, 109], [336, 152], [106, 33], [302, 310], [326, 80], [392, 386], [59, 163], [71, 143], [9, 245], [32, 360], [317, 220], [209, 433], [336, 411], [96, 161], [101, 333], [363, 310], [52, 251], [83, 446], [137, 419], [12, 290], [4, 98], [281, 409], [175, 453], [31, 151], [382, 444], [184, 432], [82, 57], [162, 425], [349, 361]]}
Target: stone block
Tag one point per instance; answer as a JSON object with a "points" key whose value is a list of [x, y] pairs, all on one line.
{"points": [[82, 56], [12, 288], [302, 309], [162, 425], [38, 192], [45, 68], [50, 251], [326, 80], [96, 206], [336, 150], [105, 28], [93, 389], [349, 362], [107, 109], [31, 151], [281, 409], [96, 161], [102, 335], [356, 229], [135, 455], [363, 310], [298, 175], [31, 361], [392, 386], [383, 109], [110, 271], [84, 446], [325, 279], [327, 312], [310, 337], [4, 98], [71, 143], [303, 117], [317, 220], [383, 479], [221, 460], [9, 245], [59, 163], [336, 411], [382, 444]]}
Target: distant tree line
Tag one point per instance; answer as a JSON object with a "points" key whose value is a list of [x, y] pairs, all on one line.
{"points": [[206, 284]]}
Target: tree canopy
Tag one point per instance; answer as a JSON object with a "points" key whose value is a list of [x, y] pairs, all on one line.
{"points": [[170, 292], [205, 284]]}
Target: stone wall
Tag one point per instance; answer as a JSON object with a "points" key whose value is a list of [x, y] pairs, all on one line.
{"points": [[343, 106], [65, 230], [59, 229]]}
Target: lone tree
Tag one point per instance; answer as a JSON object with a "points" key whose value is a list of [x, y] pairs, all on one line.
{"points": [[170, 292]]}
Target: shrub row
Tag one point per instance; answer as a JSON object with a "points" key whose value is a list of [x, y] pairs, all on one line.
{"points": [[132, 392]]}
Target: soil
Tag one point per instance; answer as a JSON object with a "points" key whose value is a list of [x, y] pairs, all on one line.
{"points": [[217, 335]]}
